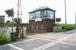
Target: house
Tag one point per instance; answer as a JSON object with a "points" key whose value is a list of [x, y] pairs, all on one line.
{"points": [[41, 20], [2, 18]]}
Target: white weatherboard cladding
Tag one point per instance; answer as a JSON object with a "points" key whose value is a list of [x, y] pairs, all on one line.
{"points": [[38, 19]]}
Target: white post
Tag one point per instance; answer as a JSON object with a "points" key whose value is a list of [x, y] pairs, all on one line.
{"points": [[65, 12]]}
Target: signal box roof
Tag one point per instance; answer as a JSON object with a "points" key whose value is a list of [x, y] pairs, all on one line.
{"points": [[42, 8]]}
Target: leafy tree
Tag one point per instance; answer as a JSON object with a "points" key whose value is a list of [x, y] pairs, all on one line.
{"points": [[15, 20], [10, 13], [8, 24]]}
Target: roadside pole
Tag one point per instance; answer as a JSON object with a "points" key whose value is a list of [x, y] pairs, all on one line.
{"points": [[75, 18]]}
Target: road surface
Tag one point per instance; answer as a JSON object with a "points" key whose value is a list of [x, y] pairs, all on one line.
{"points": [[59, 41]]}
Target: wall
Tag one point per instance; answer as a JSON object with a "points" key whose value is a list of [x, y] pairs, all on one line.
{"points": [[47, 24]]}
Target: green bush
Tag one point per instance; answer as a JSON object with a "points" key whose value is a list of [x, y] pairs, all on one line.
{"points": [[4, 39], [66, 27]]}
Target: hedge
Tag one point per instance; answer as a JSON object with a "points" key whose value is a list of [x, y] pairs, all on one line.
{"points": [[67, 27]]}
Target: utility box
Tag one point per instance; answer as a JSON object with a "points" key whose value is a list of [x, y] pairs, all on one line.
{"points": [[2, 18]]}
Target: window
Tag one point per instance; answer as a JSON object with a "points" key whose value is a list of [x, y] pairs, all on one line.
{"points": [[45, 14], [32, 16], [38, 14], [42, 14], [50, 14]]}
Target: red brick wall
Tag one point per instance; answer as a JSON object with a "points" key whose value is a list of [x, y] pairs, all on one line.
{"points": [[46, 23]]}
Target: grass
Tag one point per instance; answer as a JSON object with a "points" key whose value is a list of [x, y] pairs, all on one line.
{"points": [[4, 39]]}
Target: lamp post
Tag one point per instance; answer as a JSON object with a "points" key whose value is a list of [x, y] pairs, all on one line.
{"points": [[65, 12], [75, 18]]}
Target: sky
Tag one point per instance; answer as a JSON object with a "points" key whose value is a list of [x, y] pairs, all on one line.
{"points": [[30, 5]]}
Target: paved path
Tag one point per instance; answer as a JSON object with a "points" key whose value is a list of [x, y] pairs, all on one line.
{"points": [[49, 41]]}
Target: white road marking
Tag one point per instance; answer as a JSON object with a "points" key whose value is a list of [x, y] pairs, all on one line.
{"points": [[45, 46], [55, 42], [18, 48]]}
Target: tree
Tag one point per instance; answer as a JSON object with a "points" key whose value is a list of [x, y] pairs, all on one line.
{"points": [[8, 24], [15, 20], [10, 13]]}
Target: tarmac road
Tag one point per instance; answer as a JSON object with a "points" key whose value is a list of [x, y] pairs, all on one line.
{"points": [[64, 43]]}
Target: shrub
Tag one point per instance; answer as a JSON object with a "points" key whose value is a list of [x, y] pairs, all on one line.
{"points": [[66, 27], [4, 39]]}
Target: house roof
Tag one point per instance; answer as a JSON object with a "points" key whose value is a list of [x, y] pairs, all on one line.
{"points": [[42, 8], [2, 16]]}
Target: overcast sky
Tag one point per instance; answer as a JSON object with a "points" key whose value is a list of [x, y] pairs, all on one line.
{"points": [[29, 5]]}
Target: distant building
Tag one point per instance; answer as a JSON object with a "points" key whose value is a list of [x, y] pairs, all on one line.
{"points": [[2, 18], [41, 20]]}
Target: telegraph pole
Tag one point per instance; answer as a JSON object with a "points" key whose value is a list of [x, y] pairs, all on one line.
{"points": [[75, 18], [19, 21], [65, 12]]}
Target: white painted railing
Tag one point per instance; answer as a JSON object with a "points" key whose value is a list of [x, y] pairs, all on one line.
{"points": [[8, 30]]}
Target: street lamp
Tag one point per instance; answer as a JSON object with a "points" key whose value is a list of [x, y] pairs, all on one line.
{"points": [[65, 11], [75, 18]]}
